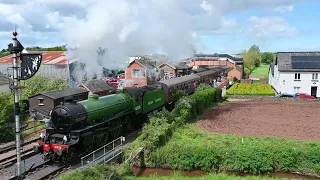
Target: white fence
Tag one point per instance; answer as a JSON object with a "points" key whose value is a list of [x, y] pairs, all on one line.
{"points": [[104, 154]]}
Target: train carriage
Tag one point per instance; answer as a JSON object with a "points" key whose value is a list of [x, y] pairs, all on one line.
{"points": [[187, 84], [207, 77]]}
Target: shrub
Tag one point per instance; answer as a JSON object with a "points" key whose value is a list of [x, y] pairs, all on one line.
{"points": [[162, 123], [191, 149], [218, 95], [251, 89], [35, 85], [97, 172]]}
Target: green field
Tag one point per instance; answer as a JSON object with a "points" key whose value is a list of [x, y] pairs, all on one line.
{"points": [[262, 70]]}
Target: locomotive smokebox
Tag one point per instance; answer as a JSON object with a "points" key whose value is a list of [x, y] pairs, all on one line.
{"points": [[68, 115]]}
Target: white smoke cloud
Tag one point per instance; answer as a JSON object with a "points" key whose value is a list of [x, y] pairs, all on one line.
{"points": [[139, 27], [127, 28]]}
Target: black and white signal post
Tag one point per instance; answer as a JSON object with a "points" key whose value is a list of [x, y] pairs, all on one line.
{"points": [[30, 63]]}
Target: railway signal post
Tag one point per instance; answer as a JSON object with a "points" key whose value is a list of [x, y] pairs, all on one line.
{"points": [[30, 64], [15, 48]]}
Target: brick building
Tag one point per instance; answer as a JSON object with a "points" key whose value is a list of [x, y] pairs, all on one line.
{"points": [[140, 72], [205, 60], [171, 70]]}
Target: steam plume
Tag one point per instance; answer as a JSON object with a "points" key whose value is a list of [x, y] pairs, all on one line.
{"points": [[141, 27], [129, 28]]}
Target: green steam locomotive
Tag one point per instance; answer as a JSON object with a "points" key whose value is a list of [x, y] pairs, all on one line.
{"points": [[77, 128]]}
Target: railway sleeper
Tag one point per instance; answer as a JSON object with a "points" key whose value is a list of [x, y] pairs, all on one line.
{"points": [[13, 160]]}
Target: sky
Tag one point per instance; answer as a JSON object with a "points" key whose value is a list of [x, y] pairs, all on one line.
{"points": [[127, 27]]}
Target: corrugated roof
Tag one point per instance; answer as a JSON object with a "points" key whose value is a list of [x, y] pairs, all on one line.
{"points": [[284, 60], [62, 93], [48, 57]]}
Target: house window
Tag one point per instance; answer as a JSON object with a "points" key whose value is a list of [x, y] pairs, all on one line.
{"points": [[138, 73], [296, 89], [297, 76], [314, 76], [41, 101]]}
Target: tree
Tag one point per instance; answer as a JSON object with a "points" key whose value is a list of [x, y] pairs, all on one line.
{"points": [[35, 85], [267, 58], [255, 54], [249, 61]]}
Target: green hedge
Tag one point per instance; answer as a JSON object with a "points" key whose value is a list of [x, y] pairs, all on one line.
{"points": [[251, 89], [192, 149], [163, 123]]}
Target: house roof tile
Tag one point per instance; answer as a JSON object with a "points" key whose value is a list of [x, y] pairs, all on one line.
{"points": [[284, 60]]}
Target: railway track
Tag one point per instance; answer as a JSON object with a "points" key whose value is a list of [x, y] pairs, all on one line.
{"points": [[8, 158], [12, 146], [41, 170]]}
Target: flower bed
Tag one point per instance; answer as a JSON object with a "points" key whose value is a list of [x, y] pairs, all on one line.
{"points": [[251, 89]]}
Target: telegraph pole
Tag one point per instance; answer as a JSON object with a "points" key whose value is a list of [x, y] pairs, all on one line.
{"points": [[15, 48]]}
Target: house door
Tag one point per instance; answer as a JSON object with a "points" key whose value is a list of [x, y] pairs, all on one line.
{"points": [[314, 91]]}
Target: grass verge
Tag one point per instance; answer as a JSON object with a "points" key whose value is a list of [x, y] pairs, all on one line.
{"points": [[262, 70], [208, 177], [190, 148]]}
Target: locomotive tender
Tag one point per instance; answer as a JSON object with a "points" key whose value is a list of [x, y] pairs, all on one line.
{"points": [[78, 127]]}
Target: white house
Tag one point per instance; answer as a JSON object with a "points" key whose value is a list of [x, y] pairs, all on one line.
{"points": [[296, 72]]}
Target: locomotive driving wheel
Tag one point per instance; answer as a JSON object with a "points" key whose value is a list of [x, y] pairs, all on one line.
{"points": [[72, 154]]}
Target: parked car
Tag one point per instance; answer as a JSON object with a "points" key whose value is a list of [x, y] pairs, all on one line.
{"points": [[304, 96], [285, 96]]}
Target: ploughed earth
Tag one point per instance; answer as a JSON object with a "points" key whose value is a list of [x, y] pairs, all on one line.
{"points": [[265, 118]]}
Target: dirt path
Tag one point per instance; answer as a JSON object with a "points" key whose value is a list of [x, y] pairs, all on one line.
{"points": [[266, 118]]}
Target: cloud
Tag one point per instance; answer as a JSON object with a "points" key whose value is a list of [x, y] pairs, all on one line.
{"points": [[127, 27], [283, 9], [270, 27]]}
